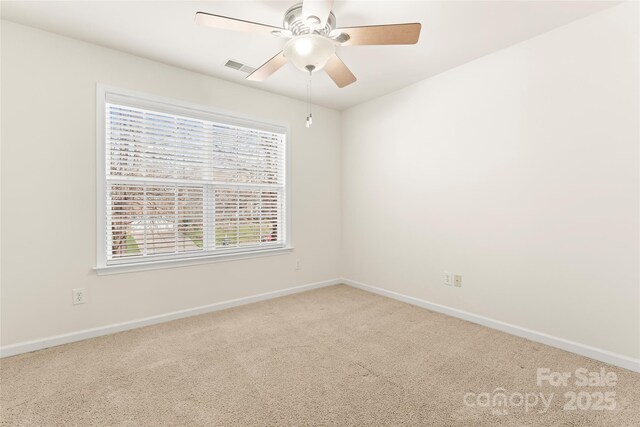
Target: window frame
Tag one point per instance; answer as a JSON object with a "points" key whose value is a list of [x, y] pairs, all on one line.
{"points": [[173, 106]]}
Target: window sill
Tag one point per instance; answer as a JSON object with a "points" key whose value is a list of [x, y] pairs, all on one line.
{"points": [[184, 262]]}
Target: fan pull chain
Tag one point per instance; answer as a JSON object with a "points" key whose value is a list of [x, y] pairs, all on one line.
{"points": [[309, 114]]}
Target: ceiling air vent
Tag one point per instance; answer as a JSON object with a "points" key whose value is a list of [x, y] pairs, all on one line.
{"points": [[239, 66]]}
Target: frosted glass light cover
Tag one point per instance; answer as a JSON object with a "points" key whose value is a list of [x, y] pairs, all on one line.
{"points": [[309, 49]]}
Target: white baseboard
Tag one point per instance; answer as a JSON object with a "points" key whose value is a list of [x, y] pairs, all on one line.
{"points": [[561, 343], [28, 346]]}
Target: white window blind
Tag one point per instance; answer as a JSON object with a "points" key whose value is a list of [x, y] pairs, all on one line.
{"points": [[184, 185]]}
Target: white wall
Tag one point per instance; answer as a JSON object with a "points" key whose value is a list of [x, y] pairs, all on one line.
{"points": [[519, 171], [48, 190]]}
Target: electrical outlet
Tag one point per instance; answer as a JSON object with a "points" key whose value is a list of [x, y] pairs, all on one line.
{"points": [[448, 278], [79, 295], [457, 280], [298, 267]]}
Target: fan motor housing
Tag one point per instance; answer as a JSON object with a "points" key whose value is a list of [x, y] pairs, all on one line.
{"points": [[295, 22]]}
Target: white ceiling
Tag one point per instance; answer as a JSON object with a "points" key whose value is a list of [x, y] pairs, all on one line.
{"points": [[453, 32]]}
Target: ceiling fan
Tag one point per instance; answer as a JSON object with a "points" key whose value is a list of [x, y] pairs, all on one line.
{"points": [[313, 37]]}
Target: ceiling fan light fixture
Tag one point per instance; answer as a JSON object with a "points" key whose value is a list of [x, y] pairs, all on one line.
{"points": [[309, 50], [313, 36]]}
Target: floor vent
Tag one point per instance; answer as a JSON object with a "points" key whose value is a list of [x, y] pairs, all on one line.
{"points": [[239, 66]]}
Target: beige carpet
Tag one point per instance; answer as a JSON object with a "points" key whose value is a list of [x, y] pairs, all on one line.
{"points": [[333, 356]]}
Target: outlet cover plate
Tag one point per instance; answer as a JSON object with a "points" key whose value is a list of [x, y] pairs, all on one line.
{"points": [[79, 295], [457, 280]]}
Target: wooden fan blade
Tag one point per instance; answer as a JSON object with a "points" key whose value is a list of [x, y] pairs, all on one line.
{"points": [[339, 73], [382, 34], [318, 8], [225, 23], [268, 68]]}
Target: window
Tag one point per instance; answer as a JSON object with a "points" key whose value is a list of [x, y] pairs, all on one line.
{"points": [[185, 183]]}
